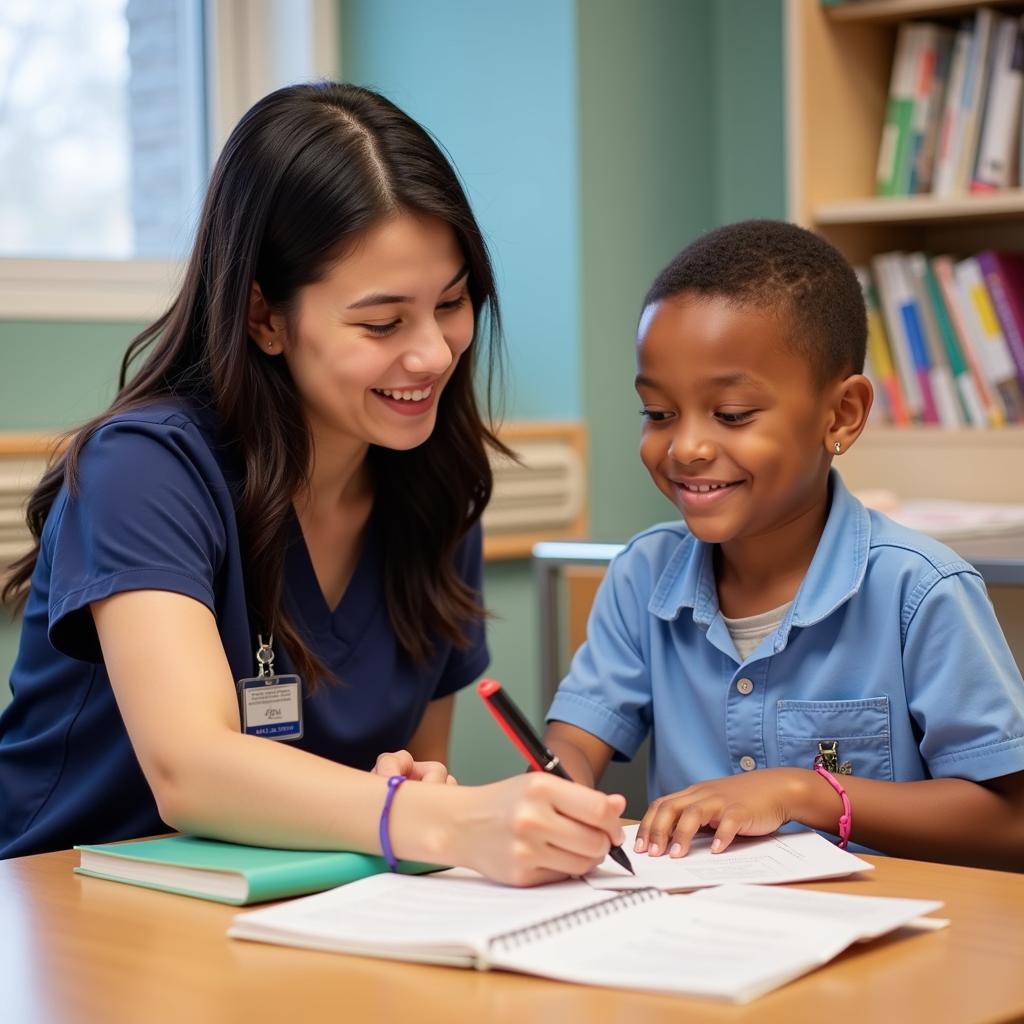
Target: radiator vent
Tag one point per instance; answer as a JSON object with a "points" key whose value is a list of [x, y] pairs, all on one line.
{"points": [[541, 497], [19, 475]]}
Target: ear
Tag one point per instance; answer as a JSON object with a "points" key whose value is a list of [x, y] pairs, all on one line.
{"points": [[267, 329], [851, 404]]}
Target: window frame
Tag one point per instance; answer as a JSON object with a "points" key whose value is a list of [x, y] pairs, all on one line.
{"points": [[244, 60]]}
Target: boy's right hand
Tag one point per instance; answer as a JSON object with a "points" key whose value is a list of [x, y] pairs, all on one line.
{"points": [[536, 828]]}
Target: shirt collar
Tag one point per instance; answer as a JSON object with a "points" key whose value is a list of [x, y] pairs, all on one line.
{"points": [[834, 576]]}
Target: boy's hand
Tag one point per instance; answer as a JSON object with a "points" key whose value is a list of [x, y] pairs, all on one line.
{"points": [[752, 804]]}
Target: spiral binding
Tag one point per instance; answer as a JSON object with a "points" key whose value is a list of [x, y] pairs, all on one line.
{"points": [[573, 919]]}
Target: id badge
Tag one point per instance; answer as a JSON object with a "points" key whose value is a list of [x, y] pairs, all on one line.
{"points": [[270, 705]]}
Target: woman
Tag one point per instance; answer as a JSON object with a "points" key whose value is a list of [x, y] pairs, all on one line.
{"points": [[289, 486]]}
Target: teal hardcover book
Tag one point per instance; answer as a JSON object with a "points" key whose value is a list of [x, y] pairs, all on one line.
{"points": [[228, 872]]}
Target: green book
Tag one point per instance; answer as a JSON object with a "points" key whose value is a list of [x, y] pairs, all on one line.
{"points": [[226, 872], [894, 152]]}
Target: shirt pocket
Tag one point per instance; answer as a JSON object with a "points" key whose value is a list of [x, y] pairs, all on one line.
{"points": [[860, 729]]}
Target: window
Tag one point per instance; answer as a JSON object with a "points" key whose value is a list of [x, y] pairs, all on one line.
{"points": [[110, 115], [102, 127]]}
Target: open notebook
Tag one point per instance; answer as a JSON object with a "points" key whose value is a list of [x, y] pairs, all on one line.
{"points": [[729, 942]]}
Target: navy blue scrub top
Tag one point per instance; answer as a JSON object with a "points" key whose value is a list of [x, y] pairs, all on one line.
{"points": [[154, 510]]}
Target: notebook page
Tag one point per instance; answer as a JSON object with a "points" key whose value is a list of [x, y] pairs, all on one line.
{"points": [[781, 857], [868, 916], [733, 948], [451, 912]]}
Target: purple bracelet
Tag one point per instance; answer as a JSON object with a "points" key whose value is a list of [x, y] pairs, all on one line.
{"points": [[385, 843]]}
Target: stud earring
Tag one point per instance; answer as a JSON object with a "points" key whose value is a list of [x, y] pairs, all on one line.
{"points": [[270, 348], [838, 447]]}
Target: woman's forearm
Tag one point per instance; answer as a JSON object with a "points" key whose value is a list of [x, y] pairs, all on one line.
{"points": [[246, 790]]}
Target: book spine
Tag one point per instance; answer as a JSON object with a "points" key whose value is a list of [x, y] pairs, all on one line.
{"points": [[924, 165], [881, 267], [894, 150], [945, 274], [975, 92], [881, 356], [947, 404], [924, 75], [1019, 178], [991, 345], [996, 152], [949, 124], [999, 290], [974, 410], [915, 337]]}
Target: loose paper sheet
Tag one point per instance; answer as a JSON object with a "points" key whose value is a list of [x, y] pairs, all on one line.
{"points": [[781, 857]]}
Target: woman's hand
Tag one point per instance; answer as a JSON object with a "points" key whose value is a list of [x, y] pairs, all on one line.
{"points": [[400, 762], [535, 828], [751, 804]]}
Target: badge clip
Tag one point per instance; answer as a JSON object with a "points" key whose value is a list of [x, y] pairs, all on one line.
{"points": [[270, 705]]}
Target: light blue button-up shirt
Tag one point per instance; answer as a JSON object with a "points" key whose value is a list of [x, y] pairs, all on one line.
{"points": [[890, 648]]}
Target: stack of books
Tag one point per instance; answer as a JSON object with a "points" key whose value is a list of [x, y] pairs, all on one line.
{"points": [[953, 118], [946, 338]]}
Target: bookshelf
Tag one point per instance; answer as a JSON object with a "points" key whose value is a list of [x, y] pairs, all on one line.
{"points": [[838, 62]]}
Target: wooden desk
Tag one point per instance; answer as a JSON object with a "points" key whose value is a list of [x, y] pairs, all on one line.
{"points": [[79, 950]]}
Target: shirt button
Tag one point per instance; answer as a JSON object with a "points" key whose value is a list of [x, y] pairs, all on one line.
{"points": [[747, 763], [745, 686]]}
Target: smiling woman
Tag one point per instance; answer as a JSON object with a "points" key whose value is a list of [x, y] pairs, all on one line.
{"points": [[255, 587]]}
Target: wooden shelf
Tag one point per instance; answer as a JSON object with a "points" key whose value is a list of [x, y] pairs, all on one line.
{"points": [[928, 462], [24, 456], [923, 209], [878, 12], [838, 67]]}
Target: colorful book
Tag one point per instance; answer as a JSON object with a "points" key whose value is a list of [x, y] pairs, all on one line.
{"points": [[974, 408], [930, 88], [997, 151], [913, 327], [228, 872], [987, 336], [894, 152], [943, 180], [940, 374], [956, 306], [889, 299], [973, 97], [1004, 278], [880, 355]]}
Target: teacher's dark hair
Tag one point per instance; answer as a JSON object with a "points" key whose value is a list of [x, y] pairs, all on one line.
{"points": [[307, 168]]}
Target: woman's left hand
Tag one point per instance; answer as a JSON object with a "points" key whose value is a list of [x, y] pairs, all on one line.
{"points": [[401, 762], [751, 804]]}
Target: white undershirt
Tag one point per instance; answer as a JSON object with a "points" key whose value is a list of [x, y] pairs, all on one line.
{"points": [[747, 633]]}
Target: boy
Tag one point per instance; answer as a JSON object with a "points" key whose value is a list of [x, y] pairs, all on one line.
{"points": [[795, 657]]}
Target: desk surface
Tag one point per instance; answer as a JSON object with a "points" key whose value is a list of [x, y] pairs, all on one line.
{"points": [[79, 950]]}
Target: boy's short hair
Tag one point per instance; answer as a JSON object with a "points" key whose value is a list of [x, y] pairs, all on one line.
{"points": [[782, 268]]}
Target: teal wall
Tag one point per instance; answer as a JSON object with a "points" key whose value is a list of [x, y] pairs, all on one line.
{"points": [[496, 84], [58, 374], [54, 376], [595, 138], [681, 129], [646, 188], [749, 165]]}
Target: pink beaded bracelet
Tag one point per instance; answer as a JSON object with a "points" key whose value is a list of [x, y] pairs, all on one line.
{"points": [[846, 818]]}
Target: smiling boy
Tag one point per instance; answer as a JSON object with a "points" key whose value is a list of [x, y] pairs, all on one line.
{"points": [[790, 653]]}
